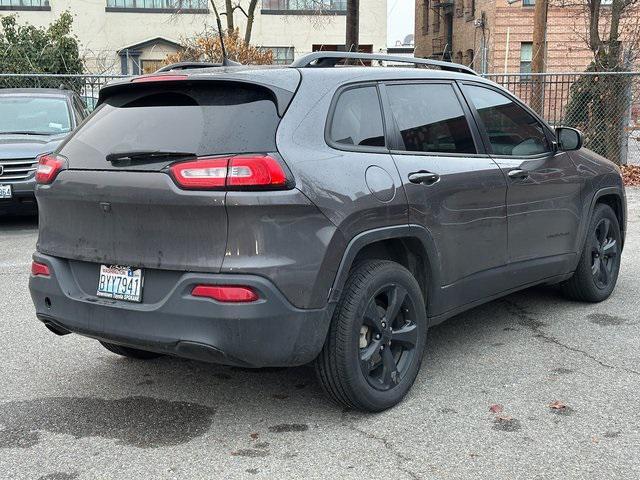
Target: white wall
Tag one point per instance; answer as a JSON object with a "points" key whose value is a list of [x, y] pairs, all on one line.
{"points": [[102, 34]]}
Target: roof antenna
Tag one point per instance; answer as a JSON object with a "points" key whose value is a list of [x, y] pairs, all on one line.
{"points": [[225, 60]]}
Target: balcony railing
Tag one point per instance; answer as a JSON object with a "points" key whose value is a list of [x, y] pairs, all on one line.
{"points": [[24, 5], [302, 7], [179, 6]]}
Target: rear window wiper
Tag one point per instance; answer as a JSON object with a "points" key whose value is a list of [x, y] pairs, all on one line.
{"points": [[138, 156]]}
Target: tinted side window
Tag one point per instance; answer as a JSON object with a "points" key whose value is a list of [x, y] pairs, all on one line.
{"points": [[357, 119], [430, 118], [511, 129]]}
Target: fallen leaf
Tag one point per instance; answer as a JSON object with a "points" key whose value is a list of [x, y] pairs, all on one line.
{"points": [[496, 408], [254, 436], [557, 405]]}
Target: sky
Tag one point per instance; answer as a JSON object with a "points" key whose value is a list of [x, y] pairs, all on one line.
{"points": [[400, 19]]}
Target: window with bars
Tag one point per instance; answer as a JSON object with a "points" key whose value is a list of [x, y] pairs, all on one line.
{"points": [[301, 6], [526, 54], [281, 55], [528, 3], [24, 5], [187, 6]]}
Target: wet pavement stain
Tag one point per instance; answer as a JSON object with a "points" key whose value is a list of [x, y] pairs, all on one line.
{"points": [[142, 422], [506, 424], [222, 376], [250, 453], [60, 476], [562, 371], [606, 320], [289, 427], [252, 471], [612, 434]]}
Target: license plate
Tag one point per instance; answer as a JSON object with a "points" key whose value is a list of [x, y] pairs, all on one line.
{"points": [[5, 191], [120, 283]]}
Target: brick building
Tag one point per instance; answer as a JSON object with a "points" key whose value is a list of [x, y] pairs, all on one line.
{"points": [[495, 37]]}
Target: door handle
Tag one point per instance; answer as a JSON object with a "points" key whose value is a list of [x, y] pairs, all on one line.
{"points": [[518, 174], [423, 177]]}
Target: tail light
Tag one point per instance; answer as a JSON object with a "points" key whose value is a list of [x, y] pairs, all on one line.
{"points": [[48, 168], [226, 293], [159, 78], [238, 172], [39, 269]]}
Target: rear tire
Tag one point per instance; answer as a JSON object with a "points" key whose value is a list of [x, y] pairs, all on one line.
{"points": [[376, 340], [597, 272], [130, 352]]}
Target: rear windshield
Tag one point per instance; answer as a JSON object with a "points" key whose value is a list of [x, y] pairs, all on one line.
{"points": [[211, 119], [34, 115]]}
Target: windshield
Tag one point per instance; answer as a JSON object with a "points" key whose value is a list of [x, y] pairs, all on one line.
{"points": [[34, 115]]}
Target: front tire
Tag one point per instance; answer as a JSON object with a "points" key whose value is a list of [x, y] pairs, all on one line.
{"points": [[130, 352], [597, 272], [376, 340]]}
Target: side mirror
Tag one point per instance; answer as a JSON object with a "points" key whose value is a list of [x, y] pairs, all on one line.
{"points": [[568, 139]]}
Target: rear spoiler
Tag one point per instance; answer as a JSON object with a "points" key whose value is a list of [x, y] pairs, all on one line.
{"points": [[281, 95]]}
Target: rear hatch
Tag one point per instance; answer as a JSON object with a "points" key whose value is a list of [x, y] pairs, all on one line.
{"points": [[116, 203]]}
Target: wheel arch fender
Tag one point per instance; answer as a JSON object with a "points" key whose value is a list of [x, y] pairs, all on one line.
{"points": [[599, 194], [399, 232]]}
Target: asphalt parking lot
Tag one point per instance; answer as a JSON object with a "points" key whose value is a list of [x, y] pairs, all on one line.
{"points": [[69, 409]]}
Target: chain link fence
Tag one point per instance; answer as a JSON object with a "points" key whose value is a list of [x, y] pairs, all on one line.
{"points": [[605, 106], [87, 86]]}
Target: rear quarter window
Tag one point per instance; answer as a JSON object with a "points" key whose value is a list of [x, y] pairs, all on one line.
{"points": [[357, 119]]}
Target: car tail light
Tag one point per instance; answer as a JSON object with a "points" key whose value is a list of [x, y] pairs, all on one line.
{"points": [[39, 269], [48, 168], [159, 78], [255, 171], [206, 173], [238, 172], [226, 293]]}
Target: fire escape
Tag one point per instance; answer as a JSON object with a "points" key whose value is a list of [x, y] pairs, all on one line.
{"points": [[441, 43]]}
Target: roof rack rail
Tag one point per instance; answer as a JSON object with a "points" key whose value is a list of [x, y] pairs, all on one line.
{"points": [[330, 59], [191, 65]]}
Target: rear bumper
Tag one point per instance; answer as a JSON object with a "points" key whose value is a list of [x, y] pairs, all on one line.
{"points": [[269, 332]]}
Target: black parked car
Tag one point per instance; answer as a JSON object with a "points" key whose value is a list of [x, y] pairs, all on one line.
{"points": [[278, 216], [33, 121]]}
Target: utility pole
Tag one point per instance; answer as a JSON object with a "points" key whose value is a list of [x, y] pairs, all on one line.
{"points": [[539, 50], [353, 25]]}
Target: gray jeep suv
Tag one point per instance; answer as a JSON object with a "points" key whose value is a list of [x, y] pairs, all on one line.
{"points": [[278, 216]]}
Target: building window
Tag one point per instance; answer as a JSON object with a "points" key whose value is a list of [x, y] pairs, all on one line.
{"points": [[281, 55], [302, 7], [426, 7], [469, 57], [25, 5], [436, 21], [528, 3], [150, 66], [159, 6], [471, 10], [526, 54]]}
